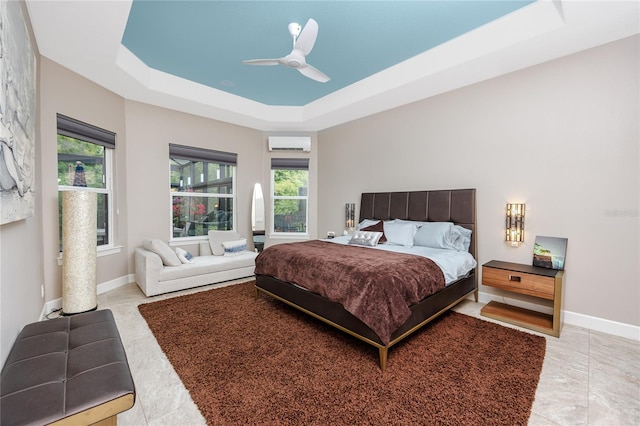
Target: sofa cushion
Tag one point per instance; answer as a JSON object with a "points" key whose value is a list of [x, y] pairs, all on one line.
{"points": [[205, 248], [159, 247], [216, 238], [207, 264]]}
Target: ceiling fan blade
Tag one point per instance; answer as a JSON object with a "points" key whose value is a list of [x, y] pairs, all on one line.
{"points": [[261, 62], [307, 38], [313, 73]]}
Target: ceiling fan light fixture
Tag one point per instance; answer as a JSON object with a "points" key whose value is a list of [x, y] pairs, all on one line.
{"points": [[294, 30]]}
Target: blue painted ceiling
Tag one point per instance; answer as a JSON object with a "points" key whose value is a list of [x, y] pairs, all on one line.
{"points": [[206, 41]]}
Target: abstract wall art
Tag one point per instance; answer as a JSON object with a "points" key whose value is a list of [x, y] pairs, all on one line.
{"points": [[17, 114]]}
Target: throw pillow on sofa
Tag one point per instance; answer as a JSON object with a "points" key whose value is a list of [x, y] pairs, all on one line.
{"points": [[183, 255], [159, 247], [232, 248], [216, 238]]}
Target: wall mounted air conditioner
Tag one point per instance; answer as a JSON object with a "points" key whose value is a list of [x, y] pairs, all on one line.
{"points": [[290, 143]]}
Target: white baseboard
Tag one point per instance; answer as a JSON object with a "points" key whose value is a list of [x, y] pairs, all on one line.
{"points": [[50, 307], [580, 320], [118, 282], [56, 304], [603, 325]]}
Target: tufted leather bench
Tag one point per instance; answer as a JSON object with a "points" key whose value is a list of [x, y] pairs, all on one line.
{"points": [[68, 371]]}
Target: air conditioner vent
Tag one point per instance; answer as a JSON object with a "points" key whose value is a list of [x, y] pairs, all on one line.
{"points": [[290, 143]]}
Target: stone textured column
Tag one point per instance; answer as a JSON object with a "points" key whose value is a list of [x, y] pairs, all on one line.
{"points": [[79, 230]]}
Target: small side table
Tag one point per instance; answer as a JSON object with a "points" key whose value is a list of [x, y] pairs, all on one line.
{"points": [[525, 279]]}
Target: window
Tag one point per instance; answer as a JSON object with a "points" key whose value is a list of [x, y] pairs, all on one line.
{"points": [[290, 186], [202, 191], [84, 164]]}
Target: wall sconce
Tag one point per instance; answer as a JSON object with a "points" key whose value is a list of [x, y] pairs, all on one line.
{"points": [[350, 216], [515, 224]]}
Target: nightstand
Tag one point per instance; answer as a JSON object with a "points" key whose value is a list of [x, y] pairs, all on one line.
{"points": [[524, 279]]}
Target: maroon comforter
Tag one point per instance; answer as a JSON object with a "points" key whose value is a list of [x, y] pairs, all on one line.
{"points": [[376, 286]]}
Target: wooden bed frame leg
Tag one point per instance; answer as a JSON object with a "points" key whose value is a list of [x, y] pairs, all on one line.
{"points": [[383, 358], [475, 295]]}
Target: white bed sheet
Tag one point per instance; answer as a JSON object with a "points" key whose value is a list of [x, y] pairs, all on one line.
{"points": [[454, 264]]}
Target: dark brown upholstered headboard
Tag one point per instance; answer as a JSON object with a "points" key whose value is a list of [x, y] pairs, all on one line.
{"points": [[454, 205]]}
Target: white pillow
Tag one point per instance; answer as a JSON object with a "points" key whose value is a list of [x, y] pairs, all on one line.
{"points": [[183, 255], [434, 235], [159, 247], [400, 233], [234, 248], [216, 238], [365, 238], [417, 223]]}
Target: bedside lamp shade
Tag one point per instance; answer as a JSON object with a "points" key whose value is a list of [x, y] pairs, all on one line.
{"points": [[515, 224]]}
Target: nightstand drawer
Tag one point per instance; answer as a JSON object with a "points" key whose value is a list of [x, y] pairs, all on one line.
{"points": [[519, 282]]}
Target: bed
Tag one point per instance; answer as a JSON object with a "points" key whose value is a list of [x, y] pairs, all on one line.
{"points": [[457, 206]]}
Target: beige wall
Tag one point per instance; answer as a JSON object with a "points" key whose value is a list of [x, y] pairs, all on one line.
{"points": [[149, 132], [562, 137], [64, 92]]}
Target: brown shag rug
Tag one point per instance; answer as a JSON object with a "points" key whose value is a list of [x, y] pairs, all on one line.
{"points": [[258, 361]]}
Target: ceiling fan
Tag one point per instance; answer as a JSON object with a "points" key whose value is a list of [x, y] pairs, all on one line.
{"points": [[303, 41]]}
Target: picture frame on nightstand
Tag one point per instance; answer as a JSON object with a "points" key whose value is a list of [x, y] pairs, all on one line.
{"points": [[550, 252]]}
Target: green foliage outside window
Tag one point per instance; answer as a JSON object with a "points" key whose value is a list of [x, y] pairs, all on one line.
{"points": [[289, 183], [290, 190], [70, 151]]}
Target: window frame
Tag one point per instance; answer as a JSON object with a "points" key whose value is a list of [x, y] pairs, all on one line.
{"points": [[88, 133], [288, 164], [195, 154]]}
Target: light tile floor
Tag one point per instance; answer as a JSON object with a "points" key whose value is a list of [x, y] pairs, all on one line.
{"points": [[588, 377]]}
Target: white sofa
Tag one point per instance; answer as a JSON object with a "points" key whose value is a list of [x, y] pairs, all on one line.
{"points": [[158, 272]]}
